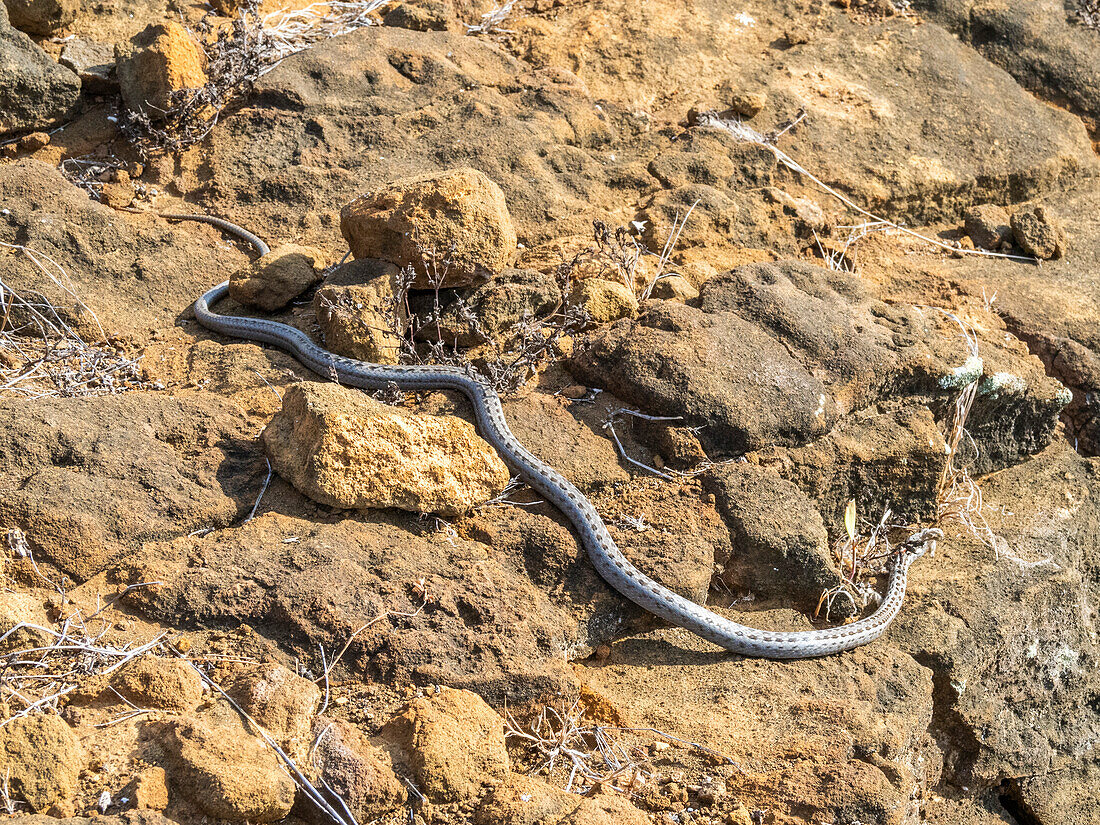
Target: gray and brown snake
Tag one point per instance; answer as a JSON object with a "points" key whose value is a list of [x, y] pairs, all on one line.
{"points": [[612, 565]]}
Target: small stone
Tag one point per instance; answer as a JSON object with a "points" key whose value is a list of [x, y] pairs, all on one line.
{"points": [[573, 391], [165, 684], [454, 743], [93, 62], [358, 311], [604, 301], [344, 449], [119, 193], [34, 141], [227, 772], [42, 759], [22, 609], [603, 653], [156, 62], [797, 35], [283, 702], [493, 310], [987, 226], [1038, 234], [42, 17], [274, 280], [458, 217], [674, 288], [423, 16], [361, 773], [748, 104], [148, 790]]}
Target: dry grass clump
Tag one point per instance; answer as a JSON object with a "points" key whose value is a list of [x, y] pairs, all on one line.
{"points": [[619, 250], [493, 20], [237, 56], [41, 354]]}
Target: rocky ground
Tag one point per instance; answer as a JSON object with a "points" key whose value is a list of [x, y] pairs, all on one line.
{"points": [[774, 283]]}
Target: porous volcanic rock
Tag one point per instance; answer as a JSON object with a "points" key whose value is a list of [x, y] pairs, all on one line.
{"points": [[987, 225], [41, 17], [453, 742], [227, 772], [1037, 234], [359, 313], [93, 62], [78, 484], [344, 449], [22, 609], [753, 366], [42, 759], [494, 310], [282, 701], [604, 301], [277, 278], [528, 800], [161, 60], [35, 92], [454, 224], [780, 546], [358, 770], [155, 682]]}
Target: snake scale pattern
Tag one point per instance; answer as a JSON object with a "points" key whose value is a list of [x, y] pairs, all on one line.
{"points": [[612, 565]]}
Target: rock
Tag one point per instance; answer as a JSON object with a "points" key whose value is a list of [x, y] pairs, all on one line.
{"points": [[34, 141], [93, 62], [839, 736], [41, 17], [458, 218], [423, 15], [359, 313], [35, 92], [118, 193], [493, 311], [1005, 638], [283, 702], [227, 772], [879, 458], [528, 800], [604, 301], [274, 280], [453, 742], [987, 225], [42, 759], [22, 609], [359, 772], [679, 447], [164, 684], [674, 288], [1060, 796], [78, 485], [780, 547], [106, 254], [148, 790], [754, 364], [748, 104], [159, 61], [1037, 234], [344, 449]]}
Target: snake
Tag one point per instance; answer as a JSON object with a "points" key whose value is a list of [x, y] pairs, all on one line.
{"points": [[604, 553]]}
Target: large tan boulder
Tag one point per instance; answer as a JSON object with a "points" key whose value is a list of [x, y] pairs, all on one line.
{"points": [[274, 280], [344, 449], [41, 758], [459, 217], [161, 59], [453, 743], [227, 772]]}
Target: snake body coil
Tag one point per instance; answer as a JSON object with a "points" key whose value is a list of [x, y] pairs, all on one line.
{"points": [[612, 565]]}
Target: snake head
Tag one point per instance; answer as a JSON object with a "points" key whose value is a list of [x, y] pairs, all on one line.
{"points": [[920, 542]]}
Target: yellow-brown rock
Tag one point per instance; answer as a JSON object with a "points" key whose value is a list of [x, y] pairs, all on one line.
{"points": [[453, 742], [605, 301], [358, 312], [157, 683], [41, 758], [159, 60], [25, 612], [342, 448], [280, 700], [274, 280], [41, 17], [459, 217]]}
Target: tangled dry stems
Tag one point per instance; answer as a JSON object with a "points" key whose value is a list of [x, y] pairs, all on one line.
{"points": [[41, 354]]}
